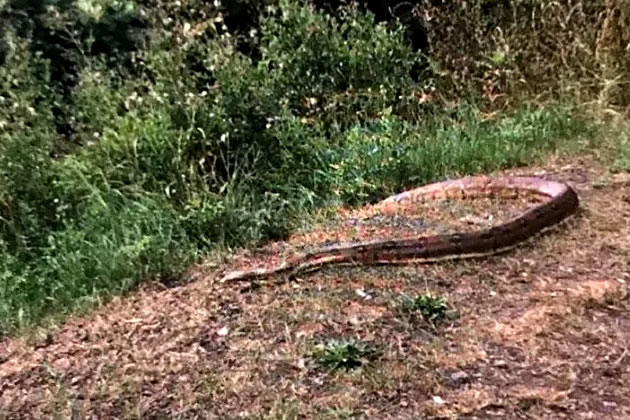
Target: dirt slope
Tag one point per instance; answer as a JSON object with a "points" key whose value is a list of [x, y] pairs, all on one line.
{"points": [[541, 332]]}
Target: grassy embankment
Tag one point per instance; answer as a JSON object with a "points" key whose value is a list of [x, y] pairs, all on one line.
{"points": [[175, 159]]}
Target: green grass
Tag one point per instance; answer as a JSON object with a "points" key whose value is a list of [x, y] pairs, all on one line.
{"points": [[163, 169], [383, 157], [429, 307], [121, 238], [345, 354]]}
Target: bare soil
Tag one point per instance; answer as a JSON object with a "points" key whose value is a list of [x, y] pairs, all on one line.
{"points": [[539, 333]]}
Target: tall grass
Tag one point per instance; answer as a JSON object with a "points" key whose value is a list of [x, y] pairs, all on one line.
{"points": [[384, 157], [175, 161]]}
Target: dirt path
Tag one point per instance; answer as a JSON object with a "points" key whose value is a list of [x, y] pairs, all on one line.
{"points": [[541, 332]]}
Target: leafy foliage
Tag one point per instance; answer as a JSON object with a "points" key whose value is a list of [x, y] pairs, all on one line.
{"points": [[430, 307], [173, 157], [345, 354]]}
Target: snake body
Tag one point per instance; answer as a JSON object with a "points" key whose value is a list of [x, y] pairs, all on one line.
{"points": [[559, 202]]}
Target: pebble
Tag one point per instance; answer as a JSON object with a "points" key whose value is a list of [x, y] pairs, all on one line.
{"points": [[459, 376]]}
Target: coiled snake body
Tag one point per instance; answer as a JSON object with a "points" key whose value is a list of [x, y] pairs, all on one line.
{"points": [[560, 201]]}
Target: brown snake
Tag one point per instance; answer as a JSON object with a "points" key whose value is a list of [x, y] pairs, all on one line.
{"points": [[560, 202]]}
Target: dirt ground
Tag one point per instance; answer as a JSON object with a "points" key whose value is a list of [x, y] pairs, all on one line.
{"points": [[541, 332]]}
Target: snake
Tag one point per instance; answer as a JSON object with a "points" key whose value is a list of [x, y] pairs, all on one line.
{"points": [[556, 201]]}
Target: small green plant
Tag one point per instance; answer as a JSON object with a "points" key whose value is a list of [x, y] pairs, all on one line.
{"points": [[345, 354], [431, 307], [623, 158]]}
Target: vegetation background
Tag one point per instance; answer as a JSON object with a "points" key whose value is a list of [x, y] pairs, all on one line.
{"points": [[137, 137]]}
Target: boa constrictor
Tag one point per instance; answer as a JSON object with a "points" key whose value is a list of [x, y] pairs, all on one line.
{"points": [[559, 202]]}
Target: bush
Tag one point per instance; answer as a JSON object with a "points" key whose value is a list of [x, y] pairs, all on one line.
{"points": [[344, 70], [174, 160], [27, 140]]}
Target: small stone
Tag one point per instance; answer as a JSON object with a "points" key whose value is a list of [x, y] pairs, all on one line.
{"points": [[354, 320], [438, 400], [500, 363], [459, 376], [223, 331], [363, 294]]}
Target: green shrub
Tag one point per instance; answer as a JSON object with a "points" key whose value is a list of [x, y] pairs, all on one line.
{"points": [[171, 162], [343, 69], [27, 140]]}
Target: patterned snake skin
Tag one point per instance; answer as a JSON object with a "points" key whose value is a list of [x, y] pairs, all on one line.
{"points": [[560, 201]]}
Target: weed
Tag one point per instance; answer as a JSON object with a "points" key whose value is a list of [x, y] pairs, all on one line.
{"points": [[345, 354], [431, 308]]}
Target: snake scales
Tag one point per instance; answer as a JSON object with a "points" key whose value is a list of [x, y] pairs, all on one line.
{"points": [[559, 202]]}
